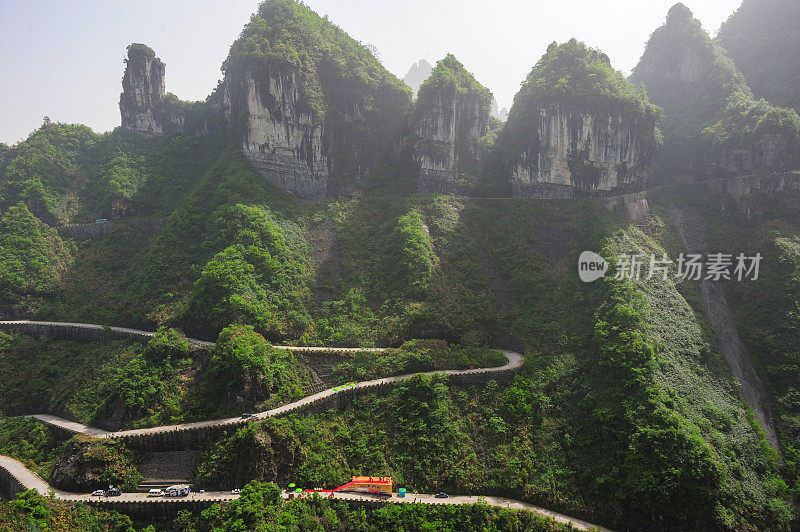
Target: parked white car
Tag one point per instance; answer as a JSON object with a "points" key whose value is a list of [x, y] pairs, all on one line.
{"points": [[98, 493], [155, 492]]}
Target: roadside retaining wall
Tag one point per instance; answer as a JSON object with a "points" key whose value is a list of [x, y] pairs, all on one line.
{"points": [[633, 206], [96, 230], [155, 509], [10, 485], [77, 332], [194, 437]]}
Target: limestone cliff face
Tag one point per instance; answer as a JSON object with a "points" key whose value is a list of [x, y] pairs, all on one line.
{"points": [[146, 107], [686, 70], [143, 89], [578, 149], [280, 136], [768, 153], [450, 115], [577, 128], [448, 132]]}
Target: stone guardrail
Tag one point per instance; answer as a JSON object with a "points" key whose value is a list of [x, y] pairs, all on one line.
{"points": [[91, 231]]}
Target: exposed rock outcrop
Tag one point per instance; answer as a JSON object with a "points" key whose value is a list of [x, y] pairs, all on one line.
{"points": [[417, 74], [580, 149], [577, 128], [281, 136], [145, 105], [312, 109], [451, 115], [772, 152], [143, 89]]}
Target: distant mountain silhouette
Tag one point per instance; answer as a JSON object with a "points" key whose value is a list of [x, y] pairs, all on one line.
{"points": [[417, 74]]}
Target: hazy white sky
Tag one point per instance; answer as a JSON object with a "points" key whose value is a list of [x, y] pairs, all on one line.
{"points": [[63, 58]]}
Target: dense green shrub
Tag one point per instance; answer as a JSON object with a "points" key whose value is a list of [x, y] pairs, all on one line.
{"points": [[44, 170], [87, 465], [166, 345], [143, 393], [415, 356], [29, 441], [258, 278], [32, 256], [245, 364], [413, 254], [746, 120]]}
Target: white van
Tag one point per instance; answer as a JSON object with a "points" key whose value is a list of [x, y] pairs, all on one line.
{"points": [[155, 493]]}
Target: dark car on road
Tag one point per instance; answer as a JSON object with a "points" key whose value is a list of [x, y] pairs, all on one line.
{"points": [[113, 492], [442, 495]]}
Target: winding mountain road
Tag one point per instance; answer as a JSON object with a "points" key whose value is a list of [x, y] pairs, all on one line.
{"points": [[30, 480], [513, 362]]}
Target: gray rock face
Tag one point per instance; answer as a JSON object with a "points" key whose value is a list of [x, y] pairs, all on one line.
{"points": [[688, 70], [417, 74], [448, 133], [143, 88], [768, 153], [578, 149], [145, 106], [280, 138]]}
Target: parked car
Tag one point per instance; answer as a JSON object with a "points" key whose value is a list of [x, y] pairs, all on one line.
{"points": [[442, 495], [248, 415], [98, 493], [101, 221], [114, 492], [237, 491], [155, 492]]}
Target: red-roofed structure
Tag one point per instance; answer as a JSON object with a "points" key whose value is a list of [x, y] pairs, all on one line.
{"points": [[368, 485]]}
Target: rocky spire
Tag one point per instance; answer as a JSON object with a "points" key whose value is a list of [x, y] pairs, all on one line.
{"points": [[143, 89]]}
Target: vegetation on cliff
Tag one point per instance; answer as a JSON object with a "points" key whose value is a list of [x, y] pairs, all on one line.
{"points": [[452, 103], [708, 107], [341, 83], [762, 38], [574, 79], [259, 276], [44, 171], [765, 310], [446, 80], [32, 256], [624, 411], [32, 511]]}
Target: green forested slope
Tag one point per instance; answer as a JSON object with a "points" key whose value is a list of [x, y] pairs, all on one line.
{"points": [[763, 39], [624, 412], [709, 110], [611, 407]]}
